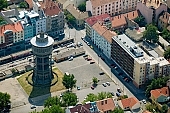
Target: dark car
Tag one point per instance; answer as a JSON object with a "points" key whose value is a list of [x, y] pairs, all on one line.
{"points": [[92, 87], [118, 94], [101, 73]]}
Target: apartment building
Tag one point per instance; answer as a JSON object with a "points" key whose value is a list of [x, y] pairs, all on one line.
{"points": [[55, 17], [65, 3], [11, 33], [112, 7], [102, 38], [105, 19], [164, 21], [151, 9], [135, 62]]}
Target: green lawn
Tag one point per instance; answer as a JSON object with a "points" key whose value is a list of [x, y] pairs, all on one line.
{"points": [[37, 91]]}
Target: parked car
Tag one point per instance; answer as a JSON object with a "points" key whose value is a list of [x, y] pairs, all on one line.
{"points": [[108, 83], [112, 93], [85, 55], [118, 89], [117, 94], [32, 106], [101, 73], [144, 101], [78, 88], [104, 84], [92, 62], [88, 59], [70, 59], [92, 87], [116, 68]]}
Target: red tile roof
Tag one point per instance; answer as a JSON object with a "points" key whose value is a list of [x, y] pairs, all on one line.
{"points": [[50, 7], [106, 104], [16, 27], [158, 92], [146, 111], [118, 21], [129, 102], [30, 3], [92, 20], [98, 28], [81, 108]]}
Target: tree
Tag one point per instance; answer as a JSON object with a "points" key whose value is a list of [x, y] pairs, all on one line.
{"points": [[164, 108], [104, 95], [91, 97], [117, 110], [52, 101], [82, 7], [3, 4], [122, 97], [71, 19], [1, 19], [165, 34], [69, 99], [155, 84], [151, 34], [167, 53], [23, 5], [69, 81], [4, 100], [140, 20], [95, 80], [151, 107]]}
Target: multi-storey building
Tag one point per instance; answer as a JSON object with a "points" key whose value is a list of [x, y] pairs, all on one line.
{"points": [[164, 21], [102, 38], [104, 18], [32, 23], [54, 16], [135, 62], [112, 7], [151, 9], [11, 33]]}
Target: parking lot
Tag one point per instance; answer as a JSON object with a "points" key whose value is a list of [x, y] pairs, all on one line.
{"points": [[83, 71]]}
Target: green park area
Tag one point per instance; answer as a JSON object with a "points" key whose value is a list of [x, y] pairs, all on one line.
{"points": [[34, 91]]}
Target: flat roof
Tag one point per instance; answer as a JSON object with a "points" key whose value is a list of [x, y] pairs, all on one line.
{"points": [[127, 44], [46, 43]]}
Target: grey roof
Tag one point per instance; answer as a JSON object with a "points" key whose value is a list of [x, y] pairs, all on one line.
{"points": [[128, 45], [42, 40], [76, 13], [12, 12]]}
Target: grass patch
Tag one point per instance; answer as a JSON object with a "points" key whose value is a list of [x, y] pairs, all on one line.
{"points": [[33, 91]]}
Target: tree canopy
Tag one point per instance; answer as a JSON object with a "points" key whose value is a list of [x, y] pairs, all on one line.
{"points": [[166, 34], [82, 7], [3, 4], [23, 5], [100, 96], [151, 34], [69, 81], [164, 108], [151, 107], [4, 100], [117, 110], [95, 80], [69, 99], [155, 84], [167, 53], [140, 20], [52, 101]]}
